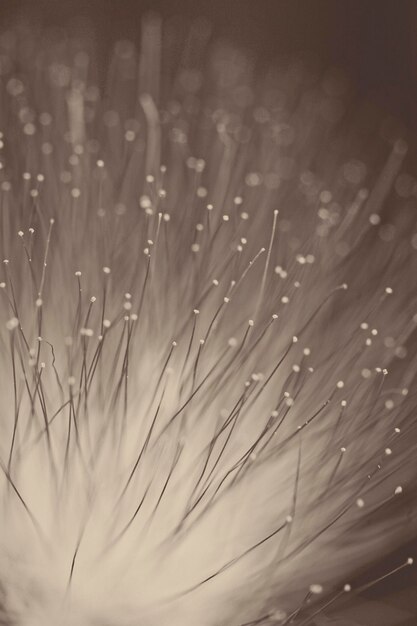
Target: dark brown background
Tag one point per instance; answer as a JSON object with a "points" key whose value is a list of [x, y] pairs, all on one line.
{"points": [[374, 40]]}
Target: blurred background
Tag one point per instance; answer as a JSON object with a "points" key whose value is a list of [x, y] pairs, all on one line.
{"points": [[374, 41]]}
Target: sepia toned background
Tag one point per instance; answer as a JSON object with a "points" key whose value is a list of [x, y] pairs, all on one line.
{"points": [[374, 40]]}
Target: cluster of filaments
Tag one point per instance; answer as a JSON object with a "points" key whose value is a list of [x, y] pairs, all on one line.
{"points": [[208, 337]]}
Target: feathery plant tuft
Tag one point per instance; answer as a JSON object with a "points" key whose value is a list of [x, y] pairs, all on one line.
{"points": [[208, 335]]}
